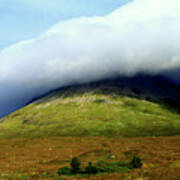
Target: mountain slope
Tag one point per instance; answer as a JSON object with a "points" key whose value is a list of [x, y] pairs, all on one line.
{"points": [[106, 108]]}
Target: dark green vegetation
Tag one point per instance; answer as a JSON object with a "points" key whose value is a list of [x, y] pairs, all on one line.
{"points": [[136, 162], [94, 112], [99, 167], [90, 169], [75, 165]]}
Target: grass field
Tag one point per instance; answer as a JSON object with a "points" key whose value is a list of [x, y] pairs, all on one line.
{"points": [[40, 158], [92, 113], [92, 125]]}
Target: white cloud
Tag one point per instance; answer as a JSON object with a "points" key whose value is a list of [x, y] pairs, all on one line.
{"points": [[143, 36]]}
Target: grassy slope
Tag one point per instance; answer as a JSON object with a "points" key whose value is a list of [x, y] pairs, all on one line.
{"points": [[91, 113]]}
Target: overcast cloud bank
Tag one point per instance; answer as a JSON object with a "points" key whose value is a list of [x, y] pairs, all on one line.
{"points": [[142, 36]]}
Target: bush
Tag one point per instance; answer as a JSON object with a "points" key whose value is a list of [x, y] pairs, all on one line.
{"points": [[136, 162], [109, 167], [75, 165], [101, 166], [90, 169], [64, 171]]}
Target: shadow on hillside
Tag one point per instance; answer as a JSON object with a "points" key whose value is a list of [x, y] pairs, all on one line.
{"points": [[111, 90], [145, 87], [171, 105]]}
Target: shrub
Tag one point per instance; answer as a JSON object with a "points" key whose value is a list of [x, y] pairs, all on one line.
{"points": [[136, 162], [101, 166], [90, 169], [108, 167], [75, 165], [64, 171]]}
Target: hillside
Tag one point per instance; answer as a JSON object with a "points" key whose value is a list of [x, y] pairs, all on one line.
{"points": [[79, 121], [102, 109]]}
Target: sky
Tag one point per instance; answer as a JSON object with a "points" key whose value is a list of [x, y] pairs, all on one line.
{"points": [[47, 45], [25, 19]]}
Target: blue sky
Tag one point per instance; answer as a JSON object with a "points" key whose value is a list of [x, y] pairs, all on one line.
{"points": [[24, 19]]}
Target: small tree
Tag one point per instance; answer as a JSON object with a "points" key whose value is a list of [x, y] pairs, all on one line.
{"points": [[90, 169], [75, 165], [136, 162], [64, 171]]}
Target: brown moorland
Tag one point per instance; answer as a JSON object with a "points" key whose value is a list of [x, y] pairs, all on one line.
{"points": [[40, 158]]}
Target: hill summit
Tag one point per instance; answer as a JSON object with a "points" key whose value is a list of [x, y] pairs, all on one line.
{"points": [[138, 106]]}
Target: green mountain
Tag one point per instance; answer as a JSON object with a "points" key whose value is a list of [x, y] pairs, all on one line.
{"points": [[99, 111]]}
